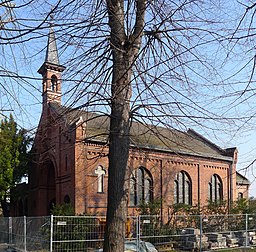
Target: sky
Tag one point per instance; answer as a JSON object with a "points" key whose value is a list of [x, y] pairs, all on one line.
{"points": [[22, 97]]}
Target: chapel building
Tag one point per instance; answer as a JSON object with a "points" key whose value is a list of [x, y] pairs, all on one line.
{"points": [[71, 159]]}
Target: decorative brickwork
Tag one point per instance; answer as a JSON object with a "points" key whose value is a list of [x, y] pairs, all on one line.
{"points": [[70, 145]]}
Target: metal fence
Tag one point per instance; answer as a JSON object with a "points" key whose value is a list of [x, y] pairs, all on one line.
{"points": [[86, 233], [26, 234]]}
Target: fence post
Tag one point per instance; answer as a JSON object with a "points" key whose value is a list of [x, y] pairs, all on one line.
{"points": [[138, 233], [246, 230], [201, 231], [25, 233], [10, 231], [51, 237]]}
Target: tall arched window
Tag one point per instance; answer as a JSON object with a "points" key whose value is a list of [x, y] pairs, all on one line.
{"points": [[182, 189], [215, 189], [54, 83], [141, 186]]}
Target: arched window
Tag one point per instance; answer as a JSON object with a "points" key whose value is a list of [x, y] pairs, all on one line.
{"points": [[54, 83], [215, 189], [51, 205], [240, 195], [66, 199], [141, 186], [182, 189], [100, 172]]}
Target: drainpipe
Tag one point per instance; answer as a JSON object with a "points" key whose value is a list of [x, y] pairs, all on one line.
{"points": [[232, 173], [198, 187], [231, 184], [161, 187]]}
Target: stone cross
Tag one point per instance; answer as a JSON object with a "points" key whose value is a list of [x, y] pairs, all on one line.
{"points": [[100, 172]]}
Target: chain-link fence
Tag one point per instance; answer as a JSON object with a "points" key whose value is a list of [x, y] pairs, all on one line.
{"points": [[86, 233]]}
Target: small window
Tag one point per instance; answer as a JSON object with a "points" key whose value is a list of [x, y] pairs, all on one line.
{"points": [[100, 181], [240, 195], [66, 199], [51, 205], [54, 83]]}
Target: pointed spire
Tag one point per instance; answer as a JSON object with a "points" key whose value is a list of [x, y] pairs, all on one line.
{"points": [[51, 72], [52, 52], [51, 57]]}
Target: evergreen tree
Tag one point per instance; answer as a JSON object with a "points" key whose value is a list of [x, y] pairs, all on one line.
{"points": [[13, 158]]}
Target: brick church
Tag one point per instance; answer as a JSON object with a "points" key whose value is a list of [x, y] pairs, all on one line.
{"points": [[71, 159]]}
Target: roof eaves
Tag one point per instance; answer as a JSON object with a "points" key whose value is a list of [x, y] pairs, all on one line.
{"points": [[202, 155]]}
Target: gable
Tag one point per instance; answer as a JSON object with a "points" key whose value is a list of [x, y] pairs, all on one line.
{"points": [[241, 180]]}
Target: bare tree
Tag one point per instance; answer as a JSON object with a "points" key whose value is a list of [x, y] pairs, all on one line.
{"points": [[137, 60]]}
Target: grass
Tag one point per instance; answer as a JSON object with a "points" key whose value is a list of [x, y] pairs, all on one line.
{"points": [[237, 249]]}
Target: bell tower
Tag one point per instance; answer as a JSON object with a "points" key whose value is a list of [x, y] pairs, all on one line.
{"points": [[51, 71]]}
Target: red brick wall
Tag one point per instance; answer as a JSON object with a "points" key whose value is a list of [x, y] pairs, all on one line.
{"points": [[75, 162]]}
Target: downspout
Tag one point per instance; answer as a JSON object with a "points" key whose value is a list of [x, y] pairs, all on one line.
{"points": [[198, 187], [59, 170], [230, 185], [232, 173], [85, 179], [228, 188], [161, 188]]}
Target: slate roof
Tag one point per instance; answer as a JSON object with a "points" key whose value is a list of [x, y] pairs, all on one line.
{"points": [[241, 180], [52, 52], [51, 57], [146, 136]]}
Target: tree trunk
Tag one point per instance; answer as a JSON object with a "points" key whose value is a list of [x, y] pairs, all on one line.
{"points": [[118, 156], [124, 51]]}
